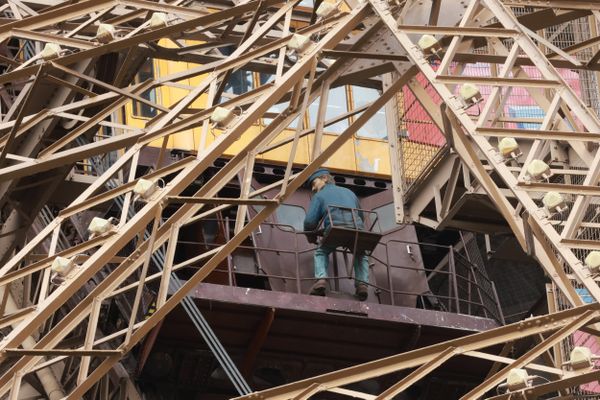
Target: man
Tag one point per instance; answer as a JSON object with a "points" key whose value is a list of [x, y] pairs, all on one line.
{"points": [[328, 194]]}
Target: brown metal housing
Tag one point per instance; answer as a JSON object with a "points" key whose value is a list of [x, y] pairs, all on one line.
{"points": [[54, 101]]}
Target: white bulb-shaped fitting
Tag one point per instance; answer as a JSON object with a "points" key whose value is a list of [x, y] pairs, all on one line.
{"points": [[50, 51], [592, 261], [299, 43], [62, 266], [581, 357], [517, 379], [99, 226], [470, 93], [554, 201], [222, 116], [326, 9], [158, 20], [429, 44], [106, 33], [509, 148], [144, 188], [538, 169]]}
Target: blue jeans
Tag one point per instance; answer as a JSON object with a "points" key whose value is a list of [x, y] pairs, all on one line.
{"points": [[361, 265]]}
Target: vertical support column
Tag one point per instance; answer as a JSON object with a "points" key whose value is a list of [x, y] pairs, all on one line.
{"points": [[395, 149]]}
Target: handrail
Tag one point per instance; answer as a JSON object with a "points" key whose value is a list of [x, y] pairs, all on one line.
{"points": [[464, 295]]}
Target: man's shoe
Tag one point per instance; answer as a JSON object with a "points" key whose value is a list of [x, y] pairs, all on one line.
{"points": [[319, 288], [362, 292]]}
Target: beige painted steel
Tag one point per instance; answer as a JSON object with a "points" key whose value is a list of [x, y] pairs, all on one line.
{"points": [[342, 43], [564, 322]]}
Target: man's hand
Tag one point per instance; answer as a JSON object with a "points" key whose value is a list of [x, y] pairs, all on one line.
{"points": [[312, 237]]}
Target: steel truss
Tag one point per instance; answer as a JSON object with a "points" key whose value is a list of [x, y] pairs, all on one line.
{"points": [[552, 328], [557, 241], [373, 42], [304, 80]]}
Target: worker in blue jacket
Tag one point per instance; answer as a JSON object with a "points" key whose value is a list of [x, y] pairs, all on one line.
{"points": [[328, 194]]}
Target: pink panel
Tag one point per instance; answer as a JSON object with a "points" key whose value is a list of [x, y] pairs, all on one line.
{"points": [[591, 342]]}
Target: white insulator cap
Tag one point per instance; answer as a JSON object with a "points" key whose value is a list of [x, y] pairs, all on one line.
{"points": [[427, 43], [517, 379], [553, 200], [508, 146], [221, 116], [581, 357], [592, 261], [50, 51], [469, 92], [538, 169], [106, 33], [158, 20], [98, 226], [145, 188], [299, 43], [62, 266], [326, 9]]}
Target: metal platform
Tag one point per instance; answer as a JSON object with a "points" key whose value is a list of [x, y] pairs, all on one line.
{"points": [[300, 336]]}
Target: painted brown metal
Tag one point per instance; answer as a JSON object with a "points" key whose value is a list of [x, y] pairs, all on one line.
{"points": [[33, 145], [566, 320]]}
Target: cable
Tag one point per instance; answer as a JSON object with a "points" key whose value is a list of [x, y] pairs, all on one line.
{"points": [[158, 257]]}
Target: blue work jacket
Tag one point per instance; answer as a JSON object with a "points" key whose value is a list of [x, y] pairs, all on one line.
{"points": [[332, 195]]}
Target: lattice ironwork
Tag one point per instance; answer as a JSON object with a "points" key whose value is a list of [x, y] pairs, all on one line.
{"points": [[65, 81]]}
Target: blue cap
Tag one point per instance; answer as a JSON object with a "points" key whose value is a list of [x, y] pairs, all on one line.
{"points": [[316, 174]]}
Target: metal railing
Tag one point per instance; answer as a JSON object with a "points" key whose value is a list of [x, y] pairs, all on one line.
{"points": [[456, 286]]}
